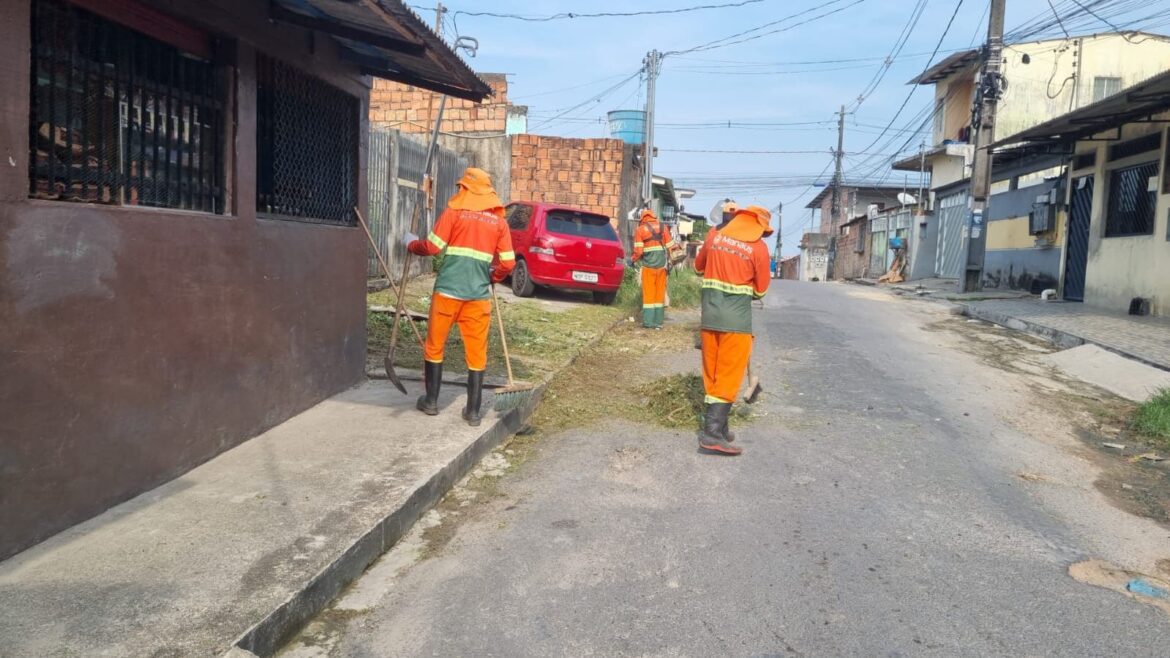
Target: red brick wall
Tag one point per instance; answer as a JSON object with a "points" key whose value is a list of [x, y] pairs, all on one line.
{"points": [[583, 173], [848, 264], [394, 105], [790, 268]]}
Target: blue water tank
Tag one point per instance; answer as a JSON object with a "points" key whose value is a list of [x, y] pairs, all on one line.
{"points": [[628, 125]]}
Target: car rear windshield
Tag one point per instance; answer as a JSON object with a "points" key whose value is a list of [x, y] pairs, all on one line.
{"points": [[567, 222]]}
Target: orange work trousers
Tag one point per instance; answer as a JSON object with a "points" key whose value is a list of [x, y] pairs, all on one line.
{"points": [[474, 318], [653, 296], [725, 360]]}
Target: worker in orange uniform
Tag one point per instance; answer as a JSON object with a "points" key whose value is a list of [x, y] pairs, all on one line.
{"points": [[473, 233], [651, 241], [728, 213], [734, 265]]}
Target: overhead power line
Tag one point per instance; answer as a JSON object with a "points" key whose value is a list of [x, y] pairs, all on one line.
{"points": [[937, 47], [756, 32], [605, 14]]}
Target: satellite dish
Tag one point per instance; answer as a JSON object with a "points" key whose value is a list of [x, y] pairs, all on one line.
{"points": [[906, 199]]}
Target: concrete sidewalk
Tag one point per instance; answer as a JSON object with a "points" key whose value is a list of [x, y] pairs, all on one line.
{"points": [[241, 550], [1069, 324]]}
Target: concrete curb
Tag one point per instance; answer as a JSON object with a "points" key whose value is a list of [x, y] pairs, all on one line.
{"points": [[267, 636], [1058, 337], [1061, 339]]}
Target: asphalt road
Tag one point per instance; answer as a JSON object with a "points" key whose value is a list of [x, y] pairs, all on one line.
{"points": [[906, 493]]}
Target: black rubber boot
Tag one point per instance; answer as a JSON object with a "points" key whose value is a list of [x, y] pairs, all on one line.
{"points": [[433, 379], [727, 433], [714, 424], [474, 396]]}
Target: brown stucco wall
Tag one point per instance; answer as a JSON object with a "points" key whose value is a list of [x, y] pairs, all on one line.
{"points": [[137, 343]]}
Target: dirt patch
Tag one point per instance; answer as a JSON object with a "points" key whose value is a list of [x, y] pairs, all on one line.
{"points": [[616, 378], [1097, 418], [1123, 581]]}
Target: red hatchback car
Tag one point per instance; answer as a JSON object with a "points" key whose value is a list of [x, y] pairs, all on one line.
{"points": [[562, 247]]}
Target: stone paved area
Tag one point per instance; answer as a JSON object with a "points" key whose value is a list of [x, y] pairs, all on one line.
{"points": [[1144, 338]]}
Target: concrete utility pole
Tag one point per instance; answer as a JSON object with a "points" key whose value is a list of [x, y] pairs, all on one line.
{"points": [[835, 220], [652, 62], [990, 86], [779, 231]]}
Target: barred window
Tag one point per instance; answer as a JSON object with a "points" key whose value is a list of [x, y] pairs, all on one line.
{"points": [[119, 117], [306, 146], [1133, 196]]}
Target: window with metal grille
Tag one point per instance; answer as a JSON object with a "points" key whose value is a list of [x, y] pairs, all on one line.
{"points": [[306, 146], [1133, 196], [118, 117]]}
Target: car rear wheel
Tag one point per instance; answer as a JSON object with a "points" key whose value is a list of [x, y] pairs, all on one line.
{"points": [[522, 283], [606, 298]]}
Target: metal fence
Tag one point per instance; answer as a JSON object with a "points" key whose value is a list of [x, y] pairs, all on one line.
{"points": [[395, 175]]}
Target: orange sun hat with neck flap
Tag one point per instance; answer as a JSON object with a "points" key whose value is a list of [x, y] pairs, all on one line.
{"points": [[475, 192], [749, 224]]}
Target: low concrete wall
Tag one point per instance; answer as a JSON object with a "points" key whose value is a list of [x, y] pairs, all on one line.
{"points": [[492, 154], [1018, 269]]}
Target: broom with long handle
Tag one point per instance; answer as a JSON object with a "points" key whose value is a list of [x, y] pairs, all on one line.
{"points": [[515, 393]]}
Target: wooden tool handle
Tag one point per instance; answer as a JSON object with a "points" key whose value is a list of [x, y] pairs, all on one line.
{"points": [[503, 338], [401, 304]]}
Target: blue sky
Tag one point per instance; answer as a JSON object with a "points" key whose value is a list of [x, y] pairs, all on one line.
{"points": [[555, 66]]}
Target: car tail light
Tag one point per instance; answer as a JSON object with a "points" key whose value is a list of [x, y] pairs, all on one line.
{"points": [[620, 261], [539, 246]]}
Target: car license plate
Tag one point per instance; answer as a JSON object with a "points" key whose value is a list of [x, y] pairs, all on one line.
{"points": [[585, 277]]}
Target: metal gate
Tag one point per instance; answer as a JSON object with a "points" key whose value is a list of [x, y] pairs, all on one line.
{"points": [[952, 213], [1077, 258], [878, 244], [395, 174]]}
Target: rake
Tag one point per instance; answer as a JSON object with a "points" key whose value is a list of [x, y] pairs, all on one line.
{"points": [[514, 393]]}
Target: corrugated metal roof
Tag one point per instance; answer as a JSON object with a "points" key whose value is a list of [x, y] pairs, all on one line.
{"points": [[1134, 103], [387, 40], [944, 69]]}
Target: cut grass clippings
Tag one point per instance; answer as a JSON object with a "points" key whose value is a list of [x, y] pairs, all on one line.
{"points": [[540, 340], [1152, 419]]}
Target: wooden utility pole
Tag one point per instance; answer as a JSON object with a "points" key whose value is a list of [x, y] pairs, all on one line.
{"points": [[835, 220], [990, 86]]}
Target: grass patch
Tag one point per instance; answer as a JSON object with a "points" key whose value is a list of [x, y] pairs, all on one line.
{"points": [[540, 339], [1152, 419], [683, 286]]}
